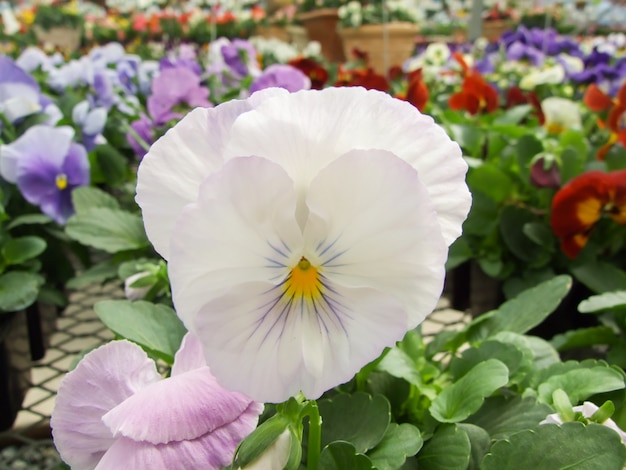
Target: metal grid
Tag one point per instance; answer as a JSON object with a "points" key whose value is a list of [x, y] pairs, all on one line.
{"points": [[29, 445]]}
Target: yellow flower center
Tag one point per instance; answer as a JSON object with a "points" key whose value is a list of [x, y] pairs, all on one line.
{"points": [[303, 282], [554, 128], [61, 181]]}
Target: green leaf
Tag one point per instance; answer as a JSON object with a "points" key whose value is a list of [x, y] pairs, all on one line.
{"points": [[527, 147], [527, 310], [502, 415], [584, 337], [359, 418], [459, 252], [580, 384], [18, 250], [479, 441], [399, 442], [600, 276], [88, 197], [548, 447], [29, 219], [108, 229], [465, 396], [18, 290], [490, 181], [508, 353], [608, 300], [154, 327], [111, 163], [572, 164], [513, 115], [100, 272], [341, 456], [399, 364], [468, 137], [448, 449]]}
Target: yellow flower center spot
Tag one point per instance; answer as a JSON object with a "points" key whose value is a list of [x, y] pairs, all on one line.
{"points": [[61, 181], [303, 281]]}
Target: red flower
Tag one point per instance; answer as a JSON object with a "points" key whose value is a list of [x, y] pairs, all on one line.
{"points": [[476, 94], [366, 78], [578, 206], [515, 96], [417, 91], [316, 73], [598, 101]]}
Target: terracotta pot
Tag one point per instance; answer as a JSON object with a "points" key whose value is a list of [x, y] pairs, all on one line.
{"points": [[386, 44], [269, 32], [493, 29], [321, 26], [64, 38]]}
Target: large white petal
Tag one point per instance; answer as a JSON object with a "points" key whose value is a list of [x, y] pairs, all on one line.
{"points": [[242, 229], [304, 131], [373, 225], [270, 349], [171, 172], [102, 380]]}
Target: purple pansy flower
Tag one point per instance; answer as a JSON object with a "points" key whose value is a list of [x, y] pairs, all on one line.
{"points": [[46, 166], [283, 76], [91, 121], [520, 51], [115, 411], [185, 56], [143, 129], [19, 92], [174, 87]]}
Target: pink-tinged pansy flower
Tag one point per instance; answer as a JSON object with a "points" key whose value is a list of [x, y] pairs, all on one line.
{"points": [[578, 206], [115, 411], [304, 232]]}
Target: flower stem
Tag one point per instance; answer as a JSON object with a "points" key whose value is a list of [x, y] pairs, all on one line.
{"points": [[315, 436]]}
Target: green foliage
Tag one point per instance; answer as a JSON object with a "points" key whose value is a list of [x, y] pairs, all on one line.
{"points": [[579, 447], [156, 328]]}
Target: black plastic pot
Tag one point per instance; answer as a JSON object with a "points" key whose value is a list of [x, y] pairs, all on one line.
{"points": [[15, 365]]}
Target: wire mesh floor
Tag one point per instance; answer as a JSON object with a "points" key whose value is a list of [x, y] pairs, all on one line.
{"points": [[28, 445]]}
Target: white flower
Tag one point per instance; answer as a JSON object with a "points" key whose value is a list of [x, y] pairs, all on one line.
{"points": [[587, 409], [437, 53], [304, 232], [551, 75], [275, 456], [561, 114]]}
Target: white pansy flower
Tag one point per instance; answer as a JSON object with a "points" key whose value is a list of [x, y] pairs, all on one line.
{"points": [[304, 232]]}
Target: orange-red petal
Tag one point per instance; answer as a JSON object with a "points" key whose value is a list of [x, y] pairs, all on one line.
{"points": [[596, 100]]}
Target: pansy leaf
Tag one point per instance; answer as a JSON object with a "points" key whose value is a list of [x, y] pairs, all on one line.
{"points": [[491, 181], [459, 252], [508, 353], [580, 384], [572, 164], [527, 147], [87, 197], [584, 337], [465, 396], [111, 164], [399, 442], [480, 441], [448, 448], [100, 272], [502, 415], [154, 327], [513, 219], [525, 311], [28, 219], [483, 216], [469, 137], [358, 418], [513, 115], [399, 364], [18, 250], [108, 229], [600, 276], [598, 303], [342, 455], [18, 290], [579, 447]]}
